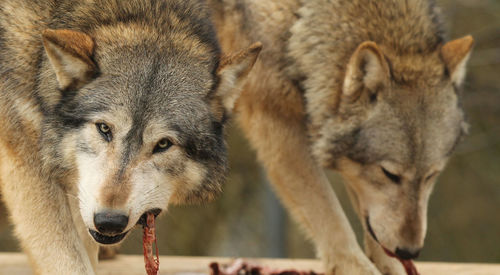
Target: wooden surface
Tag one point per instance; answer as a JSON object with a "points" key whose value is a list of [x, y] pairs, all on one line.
{"points": [[17, 264]]}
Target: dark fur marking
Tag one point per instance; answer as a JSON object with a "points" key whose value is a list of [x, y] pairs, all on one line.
{"points": [[216, 78], [356, 151], [83, 147], [240, 7]]}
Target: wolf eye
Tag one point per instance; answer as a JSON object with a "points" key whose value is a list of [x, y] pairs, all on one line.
{"points": [[162, 145], [391, 176], [105, 131]]}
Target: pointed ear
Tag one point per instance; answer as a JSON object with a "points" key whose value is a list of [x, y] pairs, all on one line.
{"points": [[232, 73], [455, 55], [70, 53], [367, 68]]}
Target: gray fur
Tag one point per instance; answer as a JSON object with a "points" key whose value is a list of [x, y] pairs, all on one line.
{"points": [[152, 73], [152, 80], [365, 86]]}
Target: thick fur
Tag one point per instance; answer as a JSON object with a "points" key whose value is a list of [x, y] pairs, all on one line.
{"points": [[108, 106], [367, 88]]}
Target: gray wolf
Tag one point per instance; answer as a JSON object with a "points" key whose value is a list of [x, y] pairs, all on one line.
{"points": [[110, 110], [367, 88]]}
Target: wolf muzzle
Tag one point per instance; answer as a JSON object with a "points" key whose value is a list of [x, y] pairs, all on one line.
{"points": [[110, 225]]}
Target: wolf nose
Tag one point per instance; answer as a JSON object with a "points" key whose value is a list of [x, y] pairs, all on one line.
{"points": [[407, 254], [110, 222]]}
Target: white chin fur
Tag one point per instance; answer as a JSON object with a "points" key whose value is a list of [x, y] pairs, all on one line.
{"points": [[90, 177]]}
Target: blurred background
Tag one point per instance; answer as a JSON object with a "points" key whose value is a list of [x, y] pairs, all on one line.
{"points": [[464, 211]]}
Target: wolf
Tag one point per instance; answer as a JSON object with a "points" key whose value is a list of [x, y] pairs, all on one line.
{"points": [[110, 110], [368, 88]]}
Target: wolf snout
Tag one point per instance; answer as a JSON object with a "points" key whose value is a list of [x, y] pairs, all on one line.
{"points": [[110, 222], [407, 254]]}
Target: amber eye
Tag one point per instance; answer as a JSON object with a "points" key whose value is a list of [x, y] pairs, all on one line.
{"points": [[162, 145], [105, 131], [394, 178]]}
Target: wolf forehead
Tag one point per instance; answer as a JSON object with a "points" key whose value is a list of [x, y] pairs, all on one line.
{"points": [[171, 32], [168, 18], [161, 100], [151, 88], [417, 129]]}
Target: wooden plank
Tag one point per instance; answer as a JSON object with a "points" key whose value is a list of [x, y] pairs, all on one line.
{"points": [[17, 263]]}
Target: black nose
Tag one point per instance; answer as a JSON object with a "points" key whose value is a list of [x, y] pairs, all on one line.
{"points": [[407, 254], [110, 222]]}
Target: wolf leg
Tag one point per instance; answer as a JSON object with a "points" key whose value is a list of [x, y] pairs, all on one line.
{"points": [[282, 147], [42, 219]]}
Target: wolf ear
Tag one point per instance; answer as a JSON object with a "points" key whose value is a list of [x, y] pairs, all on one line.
{"points": [[232, 73], [367, 68], [70, 53], [455, 55]]}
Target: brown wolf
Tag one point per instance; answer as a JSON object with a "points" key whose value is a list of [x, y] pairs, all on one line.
{"points": [[367, 88], [110, 109]]}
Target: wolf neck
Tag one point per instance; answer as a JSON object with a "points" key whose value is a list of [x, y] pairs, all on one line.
{"points": [[405, 26]]}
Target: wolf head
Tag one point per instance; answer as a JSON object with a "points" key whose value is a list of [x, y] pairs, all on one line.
{"points": [[397, 122], [139, 120]]}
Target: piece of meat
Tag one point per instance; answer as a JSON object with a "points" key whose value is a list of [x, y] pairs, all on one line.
{"points": [[240, 267], [407, 264], [409, 267], [148, 238]]}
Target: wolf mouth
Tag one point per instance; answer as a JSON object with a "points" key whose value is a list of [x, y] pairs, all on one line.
{"points": [[407, 263], [372, 233], [370, 229], [106, 239], [113, 239], [142, 220]]}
